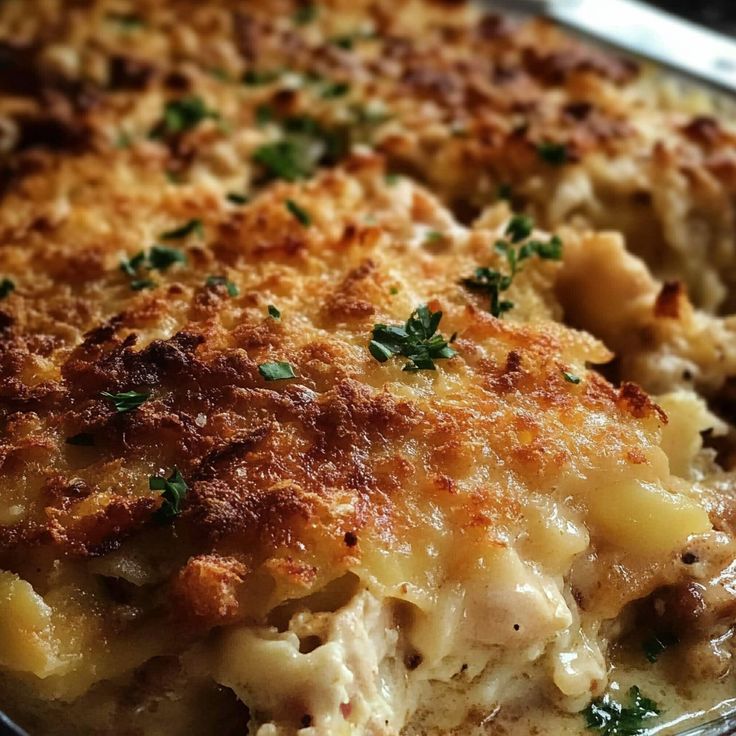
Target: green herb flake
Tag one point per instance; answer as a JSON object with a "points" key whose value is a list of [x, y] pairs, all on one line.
{"points": [[515, 251], [231, 288], [236, 198], [335, 90], [123, 140], [127, 400], [127, 21], [433, 237], [392, 179], [658, 643], [6, 287], [417, 340], [256, 78], [161, 257], [182, 115], [222, 74], [274, 313], [284, 159], [571, 377], [305, 14], [554, 154], [611, 718], [298, 212], [83, 439], [276, 371], [519, 228], [194, 225], [173, 491], [141, 284]]}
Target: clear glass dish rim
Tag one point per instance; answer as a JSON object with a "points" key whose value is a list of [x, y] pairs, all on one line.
{"points": [[724, 725]]}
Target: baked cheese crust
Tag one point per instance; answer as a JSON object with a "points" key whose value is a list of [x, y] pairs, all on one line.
{"points": [[221, 505]]}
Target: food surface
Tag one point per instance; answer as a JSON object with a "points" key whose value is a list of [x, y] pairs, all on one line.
{"points": [[365, 368]]}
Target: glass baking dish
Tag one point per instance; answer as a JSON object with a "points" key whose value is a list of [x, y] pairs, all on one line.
{"points": [[723, 726]]}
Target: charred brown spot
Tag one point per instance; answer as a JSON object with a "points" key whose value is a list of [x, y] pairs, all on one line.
{"points": [[669, 300]]}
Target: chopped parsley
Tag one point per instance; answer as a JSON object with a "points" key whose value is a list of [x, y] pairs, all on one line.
{"points": [[182, 115], [656, 644], [231, 288], [161, 257], [274, 312], [299, 212], [305, 14], [264, 115], [194, 225], [285, 159], [515, 250], [141, 284], [83, 439], [276, 371], [305, 144], [611, 718], [127, 400], [174, 489], [392, 179], [519, 228], [335, 90], [123, 140], [553, 153], [571, 377], [127, 21], [433, 237], [417, 340], [6, 287], [256, 78], [237, 198]]}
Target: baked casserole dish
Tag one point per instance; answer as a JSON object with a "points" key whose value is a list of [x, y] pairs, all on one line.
{"points": [[366, 368]]}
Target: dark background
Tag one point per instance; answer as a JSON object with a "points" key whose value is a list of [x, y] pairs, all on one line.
{"points": [[719, 14]]}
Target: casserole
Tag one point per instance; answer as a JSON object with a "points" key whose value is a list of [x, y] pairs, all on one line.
{"points": [[302, 424]]}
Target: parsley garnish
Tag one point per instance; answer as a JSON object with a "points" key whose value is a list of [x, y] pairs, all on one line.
{"points": [[174, 489], [656, 644], [128, 21], [391, 179], [285, 159], [432, 237], [6, 286], [83, 439], [192, 226], [416, 340], [182, 115], [553, 153], [571, 377], [494, 282], [334, 90], [299, 212], [274, 312], [255, 78], [123, 140], [160, 257], [611, 718], [127, 400], [232, 288], [236, 198], [264, 115], [304, 146], [276, 371], [305, 14]]}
